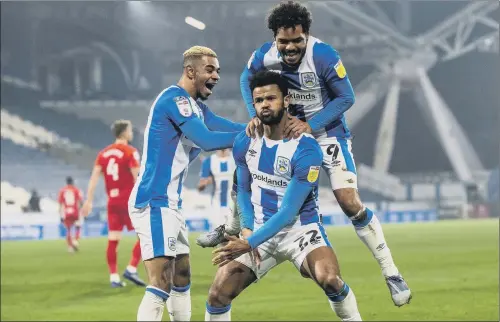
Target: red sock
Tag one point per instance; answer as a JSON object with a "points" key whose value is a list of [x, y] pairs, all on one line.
{"points": [[77, 233], [69, 240], [111, 256], [136, 255]]}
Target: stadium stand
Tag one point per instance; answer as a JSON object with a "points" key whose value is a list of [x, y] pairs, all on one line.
{"points": [[92, 133], [14, 197], [29, 167]]}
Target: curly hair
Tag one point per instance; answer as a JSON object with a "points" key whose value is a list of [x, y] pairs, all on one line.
{"points": [[267, 77], [288, 15]]}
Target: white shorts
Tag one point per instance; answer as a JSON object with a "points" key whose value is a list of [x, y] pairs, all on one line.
{"points": [[338, 162], [161, 231], [292, 245]]}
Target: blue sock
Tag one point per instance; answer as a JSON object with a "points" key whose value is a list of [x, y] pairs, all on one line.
{"points": [[341, 295], [362, 222], [218, 310], [156, 291], [181, 289]]}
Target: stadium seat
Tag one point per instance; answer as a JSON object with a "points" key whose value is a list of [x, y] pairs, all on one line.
{"points": [[33, 169], [90, 132]]}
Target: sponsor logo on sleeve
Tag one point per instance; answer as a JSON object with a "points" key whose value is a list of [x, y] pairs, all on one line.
{"points": [[340, 69], [313, 174], [183, 105]]}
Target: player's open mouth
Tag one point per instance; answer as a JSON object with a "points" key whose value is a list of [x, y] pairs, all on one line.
{"points": [[292, 55], [265, 113], [210, 86]]}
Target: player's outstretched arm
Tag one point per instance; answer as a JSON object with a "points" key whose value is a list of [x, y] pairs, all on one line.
{"points": [[246, 93], [333, 72], [255, 63], [216, 123], [294, 198], [304, 178], [208, 140]]}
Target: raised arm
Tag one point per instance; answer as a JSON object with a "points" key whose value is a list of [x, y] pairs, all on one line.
{"points": [[255, 63], [333, 72], [178, 109]]}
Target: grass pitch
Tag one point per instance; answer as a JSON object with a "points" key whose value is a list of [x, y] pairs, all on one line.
{"points": [[452, 268]]}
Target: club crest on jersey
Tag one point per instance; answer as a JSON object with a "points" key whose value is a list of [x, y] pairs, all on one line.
{"points": [[282, 165], [183, 106], [340, 69], [313, 174], [308, 79]]}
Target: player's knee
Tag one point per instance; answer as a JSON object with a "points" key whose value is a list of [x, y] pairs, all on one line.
{"points": [[217, 298], [221, 294], [160, 274], [114, 235], [182, 276], [332, 283], [161, 283], [350, 204]]}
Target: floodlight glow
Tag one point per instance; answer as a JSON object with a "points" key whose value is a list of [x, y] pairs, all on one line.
{"points": [[195, 23]]}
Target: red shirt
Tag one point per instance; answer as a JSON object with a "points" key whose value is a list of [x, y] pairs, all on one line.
{"points": [[70, 198], [116, 160]]}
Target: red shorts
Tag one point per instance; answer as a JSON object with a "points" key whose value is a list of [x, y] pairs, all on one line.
{"points": [[70, 221], [118, 217]]}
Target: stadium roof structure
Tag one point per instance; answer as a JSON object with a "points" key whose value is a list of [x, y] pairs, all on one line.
{"points": [[402, 63], [389, 53]]}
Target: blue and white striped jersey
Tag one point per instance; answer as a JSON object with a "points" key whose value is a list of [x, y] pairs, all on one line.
{"points": [[272, 165], [167, 152], [315, 83], [221, 169]]}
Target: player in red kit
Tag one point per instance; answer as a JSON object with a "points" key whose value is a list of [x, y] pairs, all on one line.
{"points": [[70, 199], [119, 164]]}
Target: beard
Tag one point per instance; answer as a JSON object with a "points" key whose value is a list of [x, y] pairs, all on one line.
{"points": [[299, 55], [272, 119]]}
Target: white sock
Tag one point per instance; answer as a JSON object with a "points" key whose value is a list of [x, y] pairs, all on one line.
{"points": [[152, 305], [344, 304], [371, 233], [218, 314], [132, 269], [179, 304], [114, 278], [233, 217]]}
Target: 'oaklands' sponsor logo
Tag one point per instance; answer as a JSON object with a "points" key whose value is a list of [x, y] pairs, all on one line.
{"points": [[269, 181], [297, 96]]}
